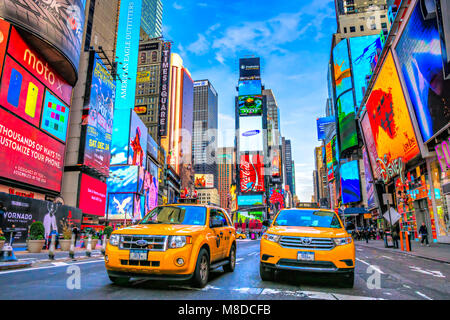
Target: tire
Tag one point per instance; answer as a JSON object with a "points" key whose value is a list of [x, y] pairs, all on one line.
{"points": [[266, 274], [231, 260], [121, 281], [201, 273], [348, 280]]}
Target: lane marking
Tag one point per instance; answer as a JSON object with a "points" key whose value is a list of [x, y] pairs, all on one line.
{"points": [[422, 295], [387, 257], [436, 274], [372, 266], [48, 267]]}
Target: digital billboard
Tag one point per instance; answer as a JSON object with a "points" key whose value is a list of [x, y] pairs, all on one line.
{"points": [[250, 105], [443, 7], [28, 155], [250, 200], [370, 146], [390, 122], [203, 181], [98, 110], [4, 34], [121, 206], [342, 73], [364, 56], [123, 179], [249, 87], [348, 136], [152, 147], [322, 123], [350, 184], [127, 51], [151, 186], [276, 162], [121, 136], [370, 183], [137, 154], [329, 160], [250, 134], [21, 93], [60, 23], [249, 69], [251, 171], [92, 197], [420, 56], [55, 117]]}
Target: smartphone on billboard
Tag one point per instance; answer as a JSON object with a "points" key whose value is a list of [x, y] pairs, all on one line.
{"points": [[15, 85], [32, 96]]}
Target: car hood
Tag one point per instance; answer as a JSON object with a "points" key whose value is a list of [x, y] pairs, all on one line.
{"points": [[308, 232], [160, 229]]}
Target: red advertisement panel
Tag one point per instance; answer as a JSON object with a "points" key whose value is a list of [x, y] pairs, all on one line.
{"points": [[29, 155], [34, 63], [21, 93], [92, 196], [4, 32], [252, 173]]}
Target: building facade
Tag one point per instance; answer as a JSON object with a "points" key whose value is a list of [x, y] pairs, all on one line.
{"points": [[226, 175]]}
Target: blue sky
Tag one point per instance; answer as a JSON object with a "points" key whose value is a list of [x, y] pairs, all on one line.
{"points": [[293, 40]]}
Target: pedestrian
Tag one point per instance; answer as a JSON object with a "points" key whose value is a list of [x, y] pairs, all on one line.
{"points": [[395, 235], [76, 232], [423, 232], [366, 234]]}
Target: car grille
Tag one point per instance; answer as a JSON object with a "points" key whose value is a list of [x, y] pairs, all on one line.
{"points": [[310, 243], [140, 263], [310, 265], [154, 243]]}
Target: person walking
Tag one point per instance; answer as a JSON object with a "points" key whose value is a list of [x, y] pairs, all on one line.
{"points": [[423, 231], [396, 235], [366, 234]]}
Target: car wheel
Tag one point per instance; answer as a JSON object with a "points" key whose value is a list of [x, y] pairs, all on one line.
{"points": [[266, 274], [348, 280], [201, 273], [231, 260], [121, 281]]}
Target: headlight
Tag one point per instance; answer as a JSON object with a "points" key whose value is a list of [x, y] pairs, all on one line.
{"points": [[342, 241], [179, 241], [114, 240], [271, 237]]}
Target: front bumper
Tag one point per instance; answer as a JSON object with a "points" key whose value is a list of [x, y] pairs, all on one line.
{"points": [[337, 260], [160, 264]]}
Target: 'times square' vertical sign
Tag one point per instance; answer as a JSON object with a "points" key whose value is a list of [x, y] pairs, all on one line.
{"points": [[164, 93]]}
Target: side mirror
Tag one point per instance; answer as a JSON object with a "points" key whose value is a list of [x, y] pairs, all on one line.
{"points": [[216, 223], [267, 223]]}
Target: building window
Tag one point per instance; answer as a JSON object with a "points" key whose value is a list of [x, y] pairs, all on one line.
{"points": [[384, 25], [345, 29], [352, 29], [361, 28]]}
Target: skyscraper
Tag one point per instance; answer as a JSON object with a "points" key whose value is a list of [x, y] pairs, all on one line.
{"points": [[226, 161], [204, 146], [151, 19]]}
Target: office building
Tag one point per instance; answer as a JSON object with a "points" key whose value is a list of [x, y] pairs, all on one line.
{"points": [[226, 175]]}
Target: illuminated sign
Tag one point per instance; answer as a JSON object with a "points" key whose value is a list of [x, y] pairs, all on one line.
{"points": [[164, 93], [390, 169], [251, 170], [92, 198], [249, 87], [249, 68], [250, 105], [342, 72], [250, 200], [443, 155], [251, 134], [350, 183], [138, 141], [204, 181], [4, 33], [348, 136], [140, 109], [55, 117]]}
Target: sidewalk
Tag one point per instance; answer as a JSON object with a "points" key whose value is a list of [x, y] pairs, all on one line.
{"points": [[436, 251]]}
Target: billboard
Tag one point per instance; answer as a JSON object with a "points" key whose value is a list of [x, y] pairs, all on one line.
{"points": [[203, 181], [249, 69], [121, 206], [276, 162], [250, 105], [92, 197], [4, 34], [60, 23], [127, 51], [364, 55], [251, 134], [442, 7], [370, 184], [250, 200], [370, 146], [342, 73], [329, 160], [251, 171], [151, 186], [164, 89], [348, 136], [22, 212], [28, 155], [55, 117], [350, 184], [121, 136], [249, 87], [420, 56], [322, 123], [152, 147], [137, 154], [98, 110], [123, 179], [390, 122]]}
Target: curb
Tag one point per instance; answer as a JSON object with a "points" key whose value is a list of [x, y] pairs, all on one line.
{"points": [[14, 265], [408, 254]]}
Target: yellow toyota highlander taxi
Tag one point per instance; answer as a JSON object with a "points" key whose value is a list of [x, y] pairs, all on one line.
{"points": [[310, 240], [173, 242]]}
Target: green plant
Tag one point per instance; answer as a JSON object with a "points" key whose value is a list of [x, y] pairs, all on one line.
{"points": [[108, 230], [2, 238], [95, 237], [37, 231]]}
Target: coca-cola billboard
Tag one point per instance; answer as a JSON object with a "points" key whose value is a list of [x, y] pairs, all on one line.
{"points": [[252, 173]]}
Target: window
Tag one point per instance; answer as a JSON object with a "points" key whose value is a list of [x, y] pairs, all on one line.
{"points": [[361, 28], [352, 29], [345, 29], [384, 25]]}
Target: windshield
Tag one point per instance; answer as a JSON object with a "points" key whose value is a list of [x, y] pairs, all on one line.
{"points": [[307, 218], [184, 215]]}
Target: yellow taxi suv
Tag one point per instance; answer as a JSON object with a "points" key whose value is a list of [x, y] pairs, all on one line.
{"points": [[173, 242], [308, 240]]}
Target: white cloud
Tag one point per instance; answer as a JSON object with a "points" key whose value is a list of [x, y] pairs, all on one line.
{"points": [[177, 6], [199, 47]]}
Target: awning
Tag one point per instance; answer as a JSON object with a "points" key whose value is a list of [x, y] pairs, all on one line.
{"points": [[355, 211]]}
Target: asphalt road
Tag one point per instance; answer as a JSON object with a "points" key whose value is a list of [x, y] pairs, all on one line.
{"points": [[401, 277]]}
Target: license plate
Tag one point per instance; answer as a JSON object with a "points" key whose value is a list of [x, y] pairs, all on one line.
{"points": [[305, 256], [138, 255]]}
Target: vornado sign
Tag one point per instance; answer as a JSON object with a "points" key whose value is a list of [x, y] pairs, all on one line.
{"points": [[59, 22], [164, 93], [249, 69]]}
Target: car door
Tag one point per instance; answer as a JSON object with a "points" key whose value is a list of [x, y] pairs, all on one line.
{"points": [[219, 232], [229, 234]]}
